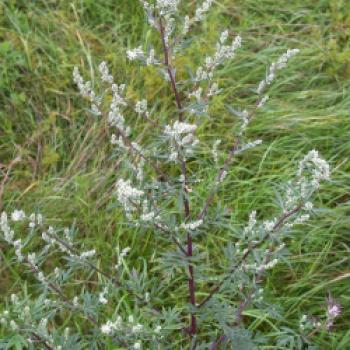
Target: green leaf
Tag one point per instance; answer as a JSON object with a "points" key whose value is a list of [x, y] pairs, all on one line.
{"points": [[17, 342]]}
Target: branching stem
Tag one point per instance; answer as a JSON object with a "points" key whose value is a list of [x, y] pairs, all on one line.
{"points": [[39, 339], [276, 227]]}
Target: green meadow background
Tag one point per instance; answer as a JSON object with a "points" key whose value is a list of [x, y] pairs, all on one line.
{"points": [[66, 170]]}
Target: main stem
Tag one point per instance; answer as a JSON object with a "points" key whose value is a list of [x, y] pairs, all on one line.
{"points": [[192, 330], [191, 287]]}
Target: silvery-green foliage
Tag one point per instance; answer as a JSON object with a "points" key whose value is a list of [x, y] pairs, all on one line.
{"points": [[158, 191]]}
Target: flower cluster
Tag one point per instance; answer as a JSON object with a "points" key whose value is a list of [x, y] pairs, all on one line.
{"points": [[223, 52], [141, 107], [199, 16], [129, 197], [104, 72], [121, 256], [139, 54], [315, 324], [202, 10], [115, 116], [249, 145], [135, 54], [318, 168], [204, 87], [129, 326], [192, 226], [333, 311], [215, 150], [280, 64], [102, 297], [134, 202], [312, 170], [85, 89], [182, 139], [167, 6]]}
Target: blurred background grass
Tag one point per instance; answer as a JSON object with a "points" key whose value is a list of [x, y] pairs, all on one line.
{"points": [[66, 171]]}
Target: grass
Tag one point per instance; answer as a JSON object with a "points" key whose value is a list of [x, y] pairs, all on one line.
{"points": [[66, 170]]}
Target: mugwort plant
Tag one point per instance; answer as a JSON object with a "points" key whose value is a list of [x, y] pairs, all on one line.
{"points": [[80, 304]]}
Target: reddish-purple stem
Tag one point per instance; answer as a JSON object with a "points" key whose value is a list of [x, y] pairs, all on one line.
{"points": [[217, 342], [191, 281], [38, 338], [191, 286], [170, 71]]}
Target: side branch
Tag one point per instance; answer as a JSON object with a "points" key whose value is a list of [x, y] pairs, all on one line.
{"points": [[276, 227], [132, 148], [170, 70], [6, 176], [218, 179], [60, 293], [41, 340], [227, 163]]}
